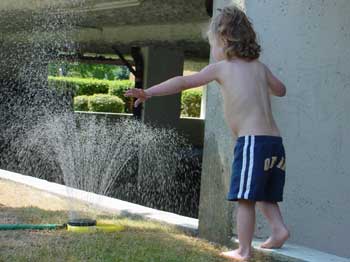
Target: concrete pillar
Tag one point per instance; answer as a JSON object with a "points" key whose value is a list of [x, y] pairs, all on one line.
{"points": [[215, 212], [305, 43], [161, 64], [203, 102]]}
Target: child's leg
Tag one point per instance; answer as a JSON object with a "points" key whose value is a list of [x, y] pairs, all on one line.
{"points": [[245, 230], [273, 215], [245, 225]]}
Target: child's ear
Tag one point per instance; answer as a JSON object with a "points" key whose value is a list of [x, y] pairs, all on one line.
{"points": [[221, 42], [224, 42]]}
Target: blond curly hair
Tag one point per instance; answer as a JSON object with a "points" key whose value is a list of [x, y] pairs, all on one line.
{"points": [[233, 28]]}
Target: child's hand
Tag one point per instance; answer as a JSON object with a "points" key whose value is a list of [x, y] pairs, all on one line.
{"points": [[140, 94]]}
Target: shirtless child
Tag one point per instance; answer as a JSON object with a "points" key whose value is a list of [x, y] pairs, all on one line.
{"points": [[258, 173]]}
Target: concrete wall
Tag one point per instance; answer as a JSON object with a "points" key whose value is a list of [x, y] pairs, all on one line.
{"points": [[215, 213], [162, 111], [306, 43]]}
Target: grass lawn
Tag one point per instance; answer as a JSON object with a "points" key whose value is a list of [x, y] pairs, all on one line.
{"points": [[140, 241]]}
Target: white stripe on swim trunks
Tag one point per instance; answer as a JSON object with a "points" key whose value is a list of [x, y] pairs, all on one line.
{"points": [[251, 165], [244, 163]]}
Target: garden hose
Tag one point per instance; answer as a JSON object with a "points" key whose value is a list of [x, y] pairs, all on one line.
{"points": [[32, 226]]}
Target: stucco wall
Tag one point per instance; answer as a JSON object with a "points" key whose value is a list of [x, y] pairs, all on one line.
{"points": [[215, 213], [306, 43]]}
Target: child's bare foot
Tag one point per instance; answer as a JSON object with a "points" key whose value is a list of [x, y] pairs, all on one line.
{"points": [[277, 239], [237, 255]]}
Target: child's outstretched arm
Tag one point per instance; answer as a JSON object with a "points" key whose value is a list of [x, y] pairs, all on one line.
{"points": [[176, 84], [277, 88]]}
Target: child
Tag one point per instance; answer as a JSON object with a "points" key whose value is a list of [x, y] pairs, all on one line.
{"points": [[259, 159]]}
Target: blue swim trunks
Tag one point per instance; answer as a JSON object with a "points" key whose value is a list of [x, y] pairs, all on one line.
{"points": [[258, 169]]}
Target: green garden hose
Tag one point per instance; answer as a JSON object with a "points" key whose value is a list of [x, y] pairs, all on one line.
{"points": [[32, 226]]}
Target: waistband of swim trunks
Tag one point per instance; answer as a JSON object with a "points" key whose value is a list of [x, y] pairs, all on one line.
{"points": [[261, 139]]}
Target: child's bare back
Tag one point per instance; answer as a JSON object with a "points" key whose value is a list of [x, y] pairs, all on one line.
{"points": [[246, 88]]}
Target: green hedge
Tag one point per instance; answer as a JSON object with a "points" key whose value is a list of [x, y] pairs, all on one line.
{"points": [[190, 99], [81, 103], [87, 86], [106, 103], [118, 88], [99, 103], [191, 102], [81, 86]]}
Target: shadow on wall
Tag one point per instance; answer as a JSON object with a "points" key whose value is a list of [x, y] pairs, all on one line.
{"points": [[215, 212]]}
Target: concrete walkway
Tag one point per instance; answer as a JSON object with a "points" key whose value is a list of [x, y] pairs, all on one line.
{"points": [[191, 224]]}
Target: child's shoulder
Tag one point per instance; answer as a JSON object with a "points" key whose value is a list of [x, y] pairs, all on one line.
{"points": [[238, 62], [239, 65]]}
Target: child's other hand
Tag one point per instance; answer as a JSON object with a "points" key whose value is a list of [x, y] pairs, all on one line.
{"points": [[140, 94]]}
